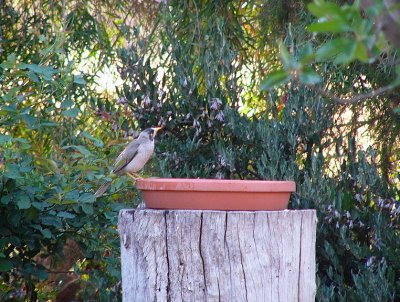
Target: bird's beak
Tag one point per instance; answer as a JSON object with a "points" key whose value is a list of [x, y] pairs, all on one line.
{"points": [[156, 129]]}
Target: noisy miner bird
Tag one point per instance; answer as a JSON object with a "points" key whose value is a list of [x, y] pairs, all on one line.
{"points": [[133, 158]]}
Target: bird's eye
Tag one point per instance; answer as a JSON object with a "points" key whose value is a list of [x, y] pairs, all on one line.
{"points": [[151, 134]]}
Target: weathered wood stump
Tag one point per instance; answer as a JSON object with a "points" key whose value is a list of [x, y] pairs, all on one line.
{"points": [[217, 255]]}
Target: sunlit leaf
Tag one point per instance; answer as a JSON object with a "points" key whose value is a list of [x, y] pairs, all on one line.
{"points": [[274, 79], [361, 52], [330, 26], [323, 9]]}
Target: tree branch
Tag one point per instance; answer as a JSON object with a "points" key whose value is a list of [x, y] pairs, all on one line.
{"points": [[351, 100]]}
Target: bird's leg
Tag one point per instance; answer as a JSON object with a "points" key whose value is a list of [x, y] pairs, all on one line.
{"points": [[137, 176], [134, 176]]}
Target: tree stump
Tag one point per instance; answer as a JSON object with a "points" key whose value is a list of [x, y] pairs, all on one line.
{"points": [[217, 255]]}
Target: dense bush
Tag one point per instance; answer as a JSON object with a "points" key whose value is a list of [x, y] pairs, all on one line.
{"points": [[54, 235]]}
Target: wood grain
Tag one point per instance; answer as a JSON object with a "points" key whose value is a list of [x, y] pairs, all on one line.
{"points": [[217, 255]]}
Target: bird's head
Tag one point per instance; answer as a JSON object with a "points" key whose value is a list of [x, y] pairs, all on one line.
{"points": [[151, 132]]}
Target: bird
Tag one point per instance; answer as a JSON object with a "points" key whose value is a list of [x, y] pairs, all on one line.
{"points": [[133, 158]]}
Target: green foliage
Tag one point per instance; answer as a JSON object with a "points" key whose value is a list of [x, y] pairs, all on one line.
{"points": [[359, 35], [51, 156]]}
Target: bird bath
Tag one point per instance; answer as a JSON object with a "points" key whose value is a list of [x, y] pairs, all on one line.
{"points": [[216, 194]]}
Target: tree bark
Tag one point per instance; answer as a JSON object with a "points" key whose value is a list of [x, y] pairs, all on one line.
{"points": [[217, 255]]}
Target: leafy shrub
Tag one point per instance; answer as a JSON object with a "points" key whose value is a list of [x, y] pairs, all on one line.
{"points": [[50, 160]]}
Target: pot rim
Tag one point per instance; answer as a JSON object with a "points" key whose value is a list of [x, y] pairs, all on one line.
{"points": [[215, 185]]}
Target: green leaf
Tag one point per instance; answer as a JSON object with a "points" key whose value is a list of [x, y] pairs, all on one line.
{"points": [[71, 113], [4, 138], [347, 54], [41, 274], [6, 199], [331, 49], [307, 54], [29, 120], [330, 26], [286, 57], [87, 208], [274, 79], [12, 171], [46, 71], [5, 265], [323, 9], [10, 62], [309, 77], [78, 79], [396, 81], [67, 103], [97, 142], [66, 215], [40, 205], [87, 198], [48, 124], [22, 140], [33, 77], [72, 195], [361, 52], [23, 201], [52, 221], [46, 233], [11, 96], [85, 152]]}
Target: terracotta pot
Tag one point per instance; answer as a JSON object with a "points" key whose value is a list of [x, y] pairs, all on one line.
{"points": [[215, 194]]}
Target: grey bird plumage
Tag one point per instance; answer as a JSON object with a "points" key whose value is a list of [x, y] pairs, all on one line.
{"points": [[133, 158]]}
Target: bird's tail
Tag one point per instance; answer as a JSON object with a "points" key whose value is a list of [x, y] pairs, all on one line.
{"points": [[102, 189]]}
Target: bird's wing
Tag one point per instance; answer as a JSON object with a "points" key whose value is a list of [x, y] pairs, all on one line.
{"points": [[126, 156]]}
